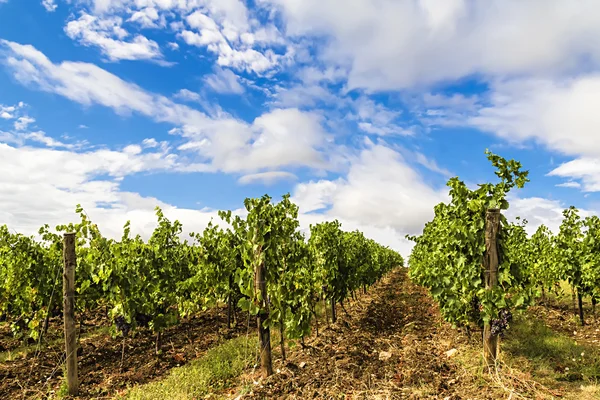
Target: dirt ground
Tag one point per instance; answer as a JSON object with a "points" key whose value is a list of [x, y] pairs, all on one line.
{"points": [[99, 359], [390, 344]]}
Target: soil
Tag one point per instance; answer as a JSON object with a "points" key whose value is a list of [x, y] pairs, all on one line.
{"points": [[390, 344], [99, 359]]}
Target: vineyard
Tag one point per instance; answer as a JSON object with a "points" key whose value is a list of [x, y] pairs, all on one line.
{"points": [[261, 265], [332, 313]]}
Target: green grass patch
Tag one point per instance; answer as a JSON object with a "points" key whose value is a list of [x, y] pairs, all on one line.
{"points": [[212, 372], [551, 354]]}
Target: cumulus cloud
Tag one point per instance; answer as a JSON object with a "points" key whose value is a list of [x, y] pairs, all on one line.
{"points": [[559, 115], [109, 35], [381, 189], [585, 169], [440, 40], [23, 122], [278, 138], [67, 178], [538, 211]]}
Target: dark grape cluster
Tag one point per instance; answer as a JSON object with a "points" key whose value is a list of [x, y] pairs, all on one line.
{"points": [[142, 320], [501, 324], [122, 325]]}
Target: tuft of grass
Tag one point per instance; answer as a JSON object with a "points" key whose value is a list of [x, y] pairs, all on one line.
{"points": [[212, 372], [535, 362], [550, 353]]}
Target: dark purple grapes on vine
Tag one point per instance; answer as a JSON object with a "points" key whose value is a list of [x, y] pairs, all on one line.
{"points": [[500, 324], [142, 320], [122, 325]]}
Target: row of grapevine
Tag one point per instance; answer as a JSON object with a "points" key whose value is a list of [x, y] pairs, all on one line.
{"points": [[472, 258], [480, 267], [572, 255], [262, 264]]}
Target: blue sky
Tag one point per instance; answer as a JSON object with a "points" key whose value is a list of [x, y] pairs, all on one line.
{"points": [[361, 111]]}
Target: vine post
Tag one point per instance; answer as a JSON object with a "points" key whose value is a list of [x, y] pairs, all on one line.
{"points": [[264, 333], [492, 226], [333, 314], [230, 301], [580, 303], [70, 262]]}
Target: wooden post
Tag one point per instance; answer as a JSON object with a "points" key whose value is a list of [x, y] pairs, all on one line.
{"points": [[70, 262], [325, 308], [333, 314], [229, 302], [580, 301], [492, 225], [264, 334]]}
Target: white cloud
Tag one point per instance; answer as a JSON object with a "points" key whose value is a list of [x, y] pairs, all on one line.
{"points": [[23, 122], [304, 96], [396, 44], [375, 118], [224, 81], [431, 165], [561, 116], [267, 178], [380, 190], [538, 211], [109, 36], [147, 17], [279, 138], [49, 5], [42, 138], [10, 112], [6, 112], [585, 169], [570, 184], [68, 178], [246, 59], [188, 95]]}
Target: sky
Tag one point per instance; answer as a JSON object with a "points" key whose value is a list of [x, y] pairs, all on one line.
{"points": [[360, 109]]}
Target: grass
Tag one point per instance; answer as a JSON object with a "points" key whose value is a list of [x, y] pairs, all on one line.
{"points": [[536, 362], [552, 354], [210, 373]]}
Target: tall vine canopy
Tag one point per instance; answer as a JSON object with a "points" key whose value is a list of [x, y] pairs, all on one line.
{"points": [[448, 257]]}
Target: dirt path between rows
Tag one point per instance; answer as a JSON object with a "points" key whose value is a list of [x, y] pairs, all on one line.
{"points": [[391, 344]]}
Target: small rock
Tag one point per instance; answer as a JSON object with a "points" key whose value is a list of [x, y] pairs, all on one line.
{"points": [[384, 355], [451, 353], [302, 364]]}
